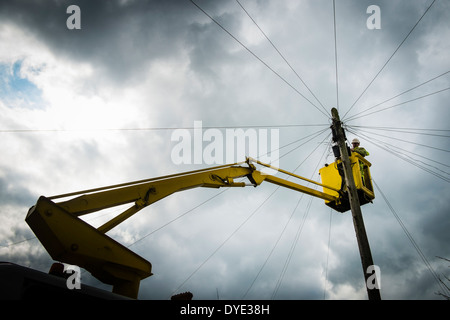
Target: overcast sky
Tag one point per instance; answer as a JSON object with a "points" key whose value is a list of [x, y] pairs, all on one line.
{"points": [[138, 65]]}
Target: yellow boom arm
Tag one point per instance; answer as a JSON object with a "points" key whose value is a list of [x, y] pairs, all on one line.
{"points": [[71, 240]]}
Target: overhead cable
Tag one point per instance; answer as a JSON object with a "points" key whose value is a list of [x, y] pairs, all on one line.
{"points": [[400, 104], [336, 56], [281, 55], [411, 239], [392, 55], [258, 58], [399, 155], [396, 96]]}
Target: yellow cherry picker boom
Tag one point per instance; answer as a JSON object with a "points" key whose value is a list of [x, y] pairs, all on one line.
{"points": [[68, 239]]}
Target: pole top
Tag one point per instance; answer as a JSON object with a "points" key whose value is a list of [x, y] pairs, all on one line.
{"points": [[335, 114]]}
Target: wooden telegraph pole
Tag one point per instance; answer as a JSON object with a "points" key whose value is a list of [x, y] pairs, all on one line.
{"points": [[358, 222]]}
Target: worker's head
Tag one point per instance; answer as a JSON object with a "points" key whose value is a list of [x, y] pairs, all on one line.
{"points": [[355, 142]]}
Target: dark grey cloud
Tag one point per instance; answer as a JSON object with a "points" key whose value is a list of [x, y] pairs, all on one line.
{"points": [[13, 190], [119, 38]]}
